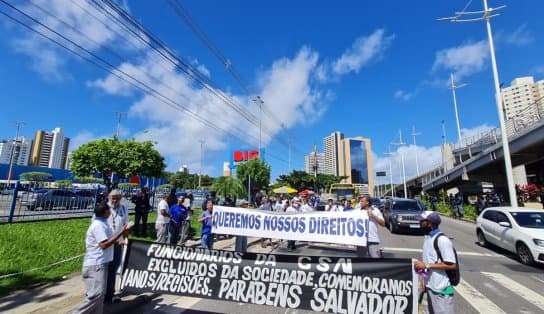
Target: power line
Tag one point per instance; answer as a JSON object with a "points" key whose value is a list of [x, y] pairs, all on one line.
{"points": [[195, 28]]}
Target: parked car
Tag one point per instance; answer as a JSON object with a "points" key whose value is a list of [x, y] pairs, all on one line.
{"points": [[401, 214], [49, 199], [518, 230]]}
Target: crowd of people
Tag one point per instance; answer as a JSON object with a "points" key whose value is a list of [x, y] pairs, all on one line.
{"points": [[107, 235]]}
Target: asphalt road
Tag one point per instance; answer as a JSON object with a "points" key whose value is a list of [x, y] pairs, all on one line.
{"points": [[493, 281]]}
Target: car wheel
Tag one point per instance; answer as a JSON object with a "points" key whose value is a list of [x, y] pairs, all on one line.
{"points": [[524, 254], [392, 227], [30, 207], [481, 238]]}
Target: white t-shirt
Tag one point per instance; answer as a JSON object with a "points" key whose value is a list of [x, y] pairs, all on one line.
{"points": [[373, 226], [306, 208], [438, 279], [163, 206], [118, 217], [291, 209], [94, 255]]}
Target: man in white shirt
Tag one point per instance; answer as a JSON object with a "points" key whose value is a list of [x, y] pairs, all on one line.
{"points": [[99, 253], [375, 217], [305, 208], [439, 289], [163, 219], [117, 219], [293, 208]]}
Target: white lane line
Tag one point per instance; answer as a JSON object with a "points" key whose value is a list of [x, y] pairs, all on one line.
{"points": [[476, 299], [524, 292], [465, 253]]}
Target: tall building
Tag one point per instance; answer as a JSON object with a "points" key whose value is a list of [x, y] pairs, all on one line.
{"points": [[50, 149], [522, 92], [20, 148], [313, 162], [355, 162], [331, 146]]}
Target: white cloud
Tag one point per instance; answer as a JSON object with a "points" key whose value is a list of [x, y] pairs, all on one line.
{"points": [[286, 88], [463, 60], [403, 95], [48, 59], [538, 70], [521, 36], [363, 51], [428, 158]]}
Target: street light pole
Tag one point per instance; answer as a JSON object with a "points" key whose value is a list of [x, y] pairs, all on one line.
{"points": [[400, 144], [14, 143], [201, 159], [453, 87], [260, 103], [414, 134], [119, 115], [488, 13], [389, 153]]}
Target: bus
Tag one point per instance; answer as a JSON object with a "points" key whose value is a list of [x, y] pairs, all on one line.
{"points": [[343, 191]]}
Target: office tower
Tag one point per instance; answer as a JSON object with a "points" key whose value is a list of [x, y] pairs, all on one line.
{"points": [[50, 149], [331, 146], [20, 148]]}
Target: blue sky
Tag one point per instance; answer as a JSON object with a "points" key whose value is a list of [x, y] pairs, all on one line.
{"points": [[363, 68]]}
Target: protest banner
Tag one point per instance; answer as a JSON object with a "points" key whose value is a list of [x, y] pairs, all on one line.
{"points": [[350, 227], [317, 283]]}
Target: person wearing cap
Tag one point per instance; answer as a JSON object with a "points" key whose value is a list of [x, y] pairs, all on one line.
{"points": [[375, 217], [330, 207], [439, 289]]}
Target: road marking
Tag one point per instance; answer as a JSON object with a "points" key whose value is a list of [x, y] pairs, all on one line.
{"points": [[524, 292], [465, 253], [476, 299]]}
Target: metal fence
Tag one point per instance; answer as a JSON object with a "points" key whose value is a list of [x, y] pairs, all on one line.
{"points": [[32, 202]]}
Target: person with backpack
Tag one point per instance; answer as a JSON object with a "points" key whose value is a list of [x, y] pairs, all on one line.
{"points": [[439, 265]]}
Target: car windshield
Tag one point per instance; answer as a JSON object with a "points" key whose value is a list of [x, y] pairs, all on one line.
{"points": [[530, 219], [404, 205]]}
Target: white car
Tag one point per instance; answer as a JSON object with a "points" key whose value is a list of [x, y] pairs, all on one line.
{"points": [[518, 230]]}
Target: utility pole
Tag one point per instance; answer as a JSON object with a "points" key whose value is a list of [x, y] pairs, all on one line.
{"points": [[414, 134], [400, 144], [13, 146], [453, 87], [315, 168], [389, 153], [443, 133], [486, 15], [260, 103], [201, 162], [119, 115]]}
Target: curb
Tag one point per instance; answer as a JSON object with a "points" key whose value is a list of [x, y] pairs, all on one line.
{"points": [[462, 219]]}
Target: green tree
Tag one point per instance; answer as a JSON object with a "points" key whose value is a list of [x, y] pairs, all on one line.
{"points": [[228, 185], [63, 183], [301, 180], [185, 181], [88, 180], [36, 176], [259, 173], [125, 158]]}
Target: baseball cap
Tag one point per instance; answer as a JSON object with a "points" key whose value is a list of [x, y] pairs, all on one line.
{"points": [[296, 199], [431, 216]]}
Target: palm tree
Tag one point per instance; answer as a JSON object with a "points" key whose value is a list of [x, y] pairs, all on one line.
{"points": [[228, 186]]}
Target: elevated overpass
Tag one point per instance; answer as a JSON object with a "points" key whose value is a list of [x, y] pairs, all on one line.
{"points": [[482, 160]]}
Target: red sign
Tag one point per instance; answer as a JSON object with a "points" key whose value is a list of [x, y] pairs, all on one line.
{"points": [[245, 155]]}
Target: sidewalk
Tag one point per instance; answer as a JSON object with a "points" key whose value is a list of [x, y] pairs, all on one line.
{"points": [[63, 296]]}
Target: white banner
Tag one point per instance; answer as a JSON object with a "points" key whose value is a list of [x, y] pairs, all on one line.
{"points": [[350, 227]]}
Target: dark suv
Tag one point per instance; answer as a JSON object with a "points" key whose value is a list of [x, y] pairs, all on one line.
{"points": [[401, 214]]}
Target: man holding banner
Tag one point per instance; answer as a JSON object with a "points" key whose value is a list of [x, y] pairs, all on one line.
{"points": [[375, 217], [206, 237]]}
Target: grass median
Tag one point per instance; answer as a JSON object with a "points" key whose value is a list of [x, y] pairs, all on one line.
{"points": [[30, 245]]}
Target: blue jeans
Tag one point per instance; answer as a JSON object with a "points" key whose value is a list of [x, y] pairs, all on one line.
{"points": [[207, 241]]}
